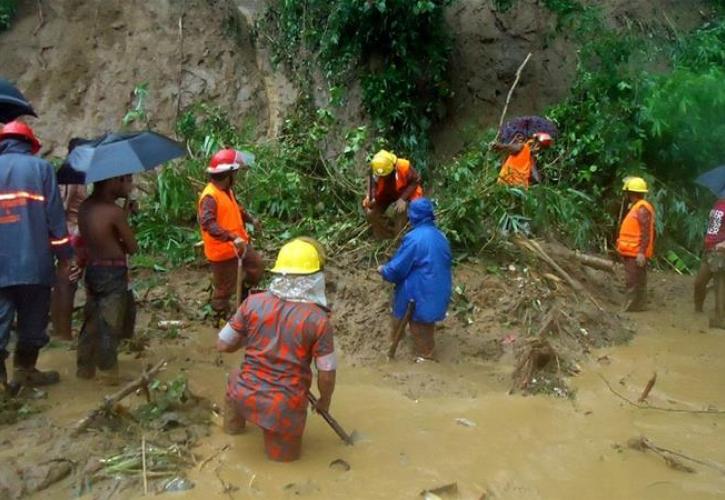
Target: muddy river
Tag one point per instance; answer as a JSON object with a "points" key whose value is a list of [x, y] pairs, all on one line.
{"points": [[424, 426]]}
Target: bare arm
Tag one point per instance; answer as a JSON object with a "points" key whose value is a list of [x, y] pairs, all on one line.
{"points": [[413, 183], [125, 233], [513, 148], [326, 386]]}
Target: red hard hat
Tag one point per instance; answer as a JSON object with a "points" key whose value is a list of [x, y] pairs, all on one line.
{"points": [[19, 129], [544, 139], [228, 159]]}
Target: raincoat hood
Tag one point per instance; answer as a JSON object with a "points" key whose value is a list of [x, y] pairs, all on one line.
{"points": [[420, 211], [15, 146]]}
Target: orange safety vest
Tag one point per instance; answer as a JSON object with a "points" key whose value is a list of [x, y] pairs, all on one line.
{"points": [[630, 234], [516, 170], [229, 217], [402, 180]]}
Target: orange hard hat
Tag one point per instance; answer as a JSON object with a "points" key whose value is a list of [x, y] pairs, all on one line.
{"points": [[17, 128], [228, 159]]}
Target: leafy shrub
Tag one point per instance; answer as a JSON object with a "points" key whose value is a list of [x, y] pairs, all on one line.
{"points": [[7, 12]]}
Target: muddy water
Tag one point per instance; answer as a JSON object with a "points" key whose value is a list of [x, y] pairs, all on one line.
{"points": [[519, 448]]}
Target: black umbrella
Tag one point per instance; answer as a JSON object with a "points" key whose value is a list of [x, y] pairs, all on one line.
{"points": [[12, 102], [528, 126], [714, 180], [115, 154]]}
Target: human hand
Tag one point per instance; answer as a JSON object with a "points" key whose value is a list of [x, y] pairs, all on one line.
{"points": [[641, 260], [400, 206], [240, 245], [368, 203], [323, 405], [380, 269]]}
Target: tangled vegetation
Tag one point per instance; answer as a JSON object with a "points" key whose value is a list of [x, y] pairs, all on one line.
{"points": [[621, 118], [7, 11]]}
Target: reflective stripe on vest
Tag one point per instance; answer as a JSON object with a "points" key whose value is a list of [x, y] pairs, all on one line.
{"points": [[516, 170], [402, 181], [229, 218], [630, 235]]}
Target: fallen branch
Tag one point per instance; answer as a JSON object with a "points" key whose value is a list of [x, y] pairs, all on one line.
{"points": [[213, 456], [648, 388], [533, 247], [595, 262], [109, 401], [672, 457], [143, 466], [656, 408], [510, 95]]}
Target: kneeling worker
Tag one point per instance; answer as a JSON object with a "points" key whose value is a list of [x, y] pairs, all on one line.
{"points": [[636, 242], [281, 330], [223, 230], [393, 181]]}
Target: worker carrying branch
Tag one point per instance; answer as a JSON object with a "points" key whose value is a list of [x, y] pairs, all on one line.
{"points": [[282, 331], [392, 184], [519, 169], [636, 242], [223, 230]]}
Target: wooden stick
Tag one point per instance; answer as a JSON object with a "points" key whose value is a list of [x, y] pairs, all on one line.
{"points": [[331, 421], [595, 262], [644, 444], [648, 388], [657, 408], [400, 330], [108, 401], [510, 94], [143, 465]]}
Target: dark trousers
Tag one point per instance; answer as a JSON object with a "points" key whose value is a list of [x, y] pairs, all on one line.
{"points": [[109, 316], [31, 304], [384, 227], [224, 275], [636, 281]]}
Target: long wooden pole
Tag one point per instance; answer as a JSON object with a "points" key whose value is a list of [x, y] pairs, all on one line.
{"points": [[510, 95], [330, 420], [400, 330]]}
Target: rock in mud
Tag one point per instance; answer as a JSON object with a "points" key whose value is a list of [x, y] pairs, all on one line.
{"points": [[340, 465], [446, 491], [39, 477], [178, 484]]}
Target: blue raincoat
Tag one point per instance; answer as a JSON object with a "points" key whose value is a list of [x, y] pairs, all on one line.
{"points": [[421, 268]]}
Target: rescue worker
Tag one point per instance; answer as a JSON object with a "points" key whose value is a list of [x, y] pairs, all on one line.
{"points": [[32, 232], [282, 331], [64, 291], [636, 242], [223, 230], [421, 272], [713, 264], [519, 169], [393, 182]]}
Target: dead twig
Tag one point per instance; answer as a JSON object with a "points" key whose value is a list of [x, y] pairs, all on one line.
{"points": [[179, 76], [41, 18], [510, 94], [143, 466], [672, 457], [109, 401], [648, 388], [656, 408], [227, 488], [213, 456]]}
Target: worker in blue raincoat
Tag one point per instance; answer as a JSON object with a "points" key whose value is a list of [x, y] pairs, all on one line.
{"points": [[421, 272]]}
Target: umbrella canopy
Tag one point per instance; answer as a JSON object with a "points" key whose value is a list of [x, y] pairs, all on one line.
{"points": [[12, 102], [528, 126], [714, 180], [114, 154]]}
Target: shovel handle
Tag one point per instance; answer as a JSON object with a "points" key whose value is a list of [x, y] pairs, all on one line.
{"points": [[331, 421]]}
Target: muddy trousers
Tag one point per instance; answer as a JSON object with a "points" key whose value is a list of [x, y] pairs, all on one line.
{"points": [[31, 304], [384, 227], [109, 316], [278, 446], [636, 283], [704, 275], [224, 276], [61, 306], [423, 335]]}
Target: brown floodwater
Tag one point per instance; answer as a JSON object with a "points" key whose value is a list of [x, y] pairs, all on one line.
{"points": [[512, 447]]}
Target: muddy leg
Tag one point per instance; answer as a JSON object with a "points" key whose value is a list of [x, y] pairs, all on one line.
{"points": [[61, 307], [700, 285], [282, 447], [234, 422], [423, 339], [636, 282], [224, 275], [718, 321], [379, 224]]}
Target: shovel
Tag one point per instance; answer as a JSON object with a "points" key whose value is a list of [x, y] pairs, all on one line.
{"points": [[332, 422]]}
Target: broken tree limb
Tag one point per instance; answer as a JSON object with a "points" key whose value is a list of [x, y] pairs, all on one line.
{"points": [[595, 262], [672, 457], [534, 247], [657, 408], [510, 95], [109, 401], [648, 388]]}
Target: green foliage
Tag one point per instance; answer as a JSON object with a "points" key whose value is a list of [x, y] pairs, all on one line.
{"points": [[138, 113], [165, 396], [7, 12], [397, 48]]}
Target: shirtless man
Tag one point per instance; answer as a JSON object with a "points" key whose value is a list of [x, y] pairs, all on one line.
{"points": [[109, 313]]}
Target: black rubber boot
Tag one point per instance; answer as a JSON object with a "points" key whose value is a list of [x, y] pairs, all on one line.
{"points": [[26, 373]]}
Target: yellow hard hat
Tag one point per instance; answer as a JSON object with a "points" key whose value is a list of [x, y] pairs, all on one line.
{"points": [[383, 163], [635, 185], [318, 246], [297, 257]]}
